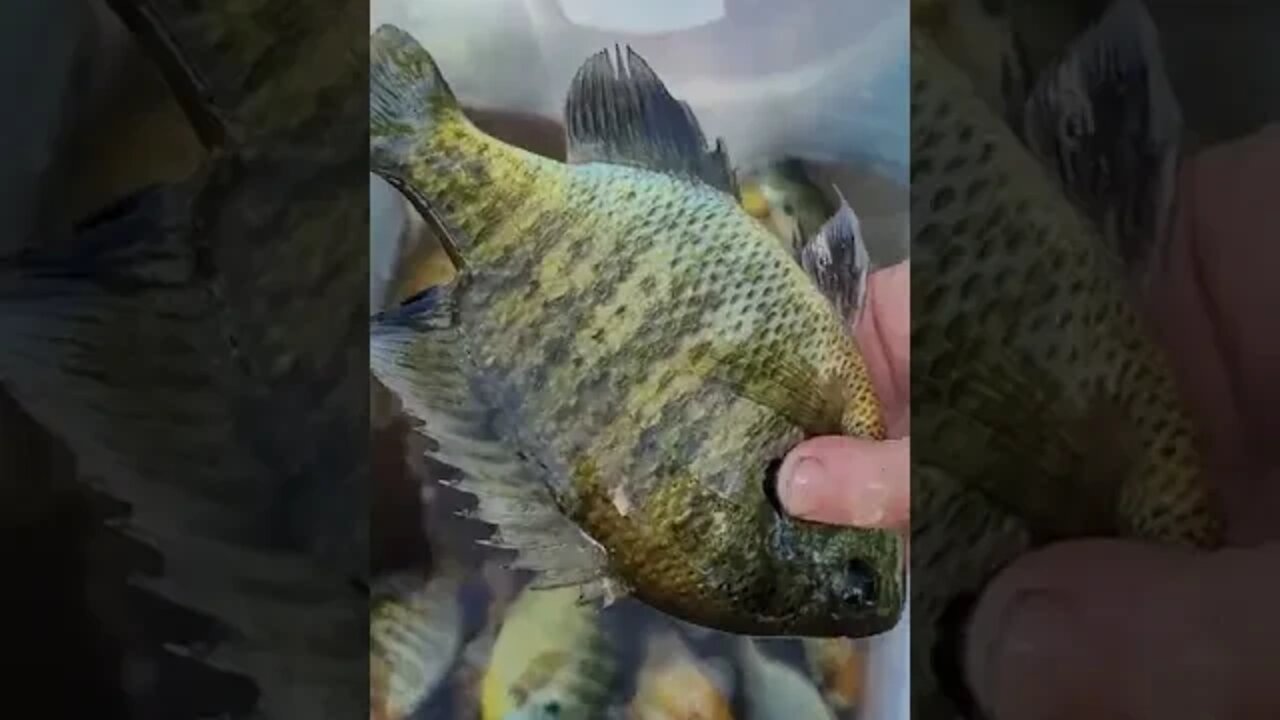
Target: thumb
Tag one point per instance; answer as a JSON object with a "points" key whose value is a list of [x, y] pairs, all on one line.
{"points": [[1108, 629], [848, 481]]}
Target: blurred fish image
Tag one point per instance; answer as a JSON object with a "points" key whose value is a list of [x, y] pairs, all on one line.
{"points": [[784, 198], [550, 660], [626, 355], [173, 345], [840, 666], [415, 634], [674, 684], [776, 690], [1044, 408]]}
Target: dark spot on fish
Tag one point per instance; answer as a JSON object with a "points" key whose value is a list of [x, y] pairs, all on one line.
{"points": [[988, 151], [943, 198], [552, 708], [788, 208], [977, 189], [965, 135], [920, 167], [929, 235], [858, 586]]}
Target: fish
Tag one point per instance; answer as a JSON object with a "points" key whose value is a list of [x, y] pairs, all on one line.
{"points": [[840, 667], [173, 344], [775, 690], [1042, 406], [551, 660], [626, 355], [414, 636], [674, 684], [782, 196]]}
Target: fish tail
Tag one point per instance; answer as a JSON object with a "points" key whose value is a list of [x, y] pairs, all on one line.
{"points": [[408, 98], [421, 142]]}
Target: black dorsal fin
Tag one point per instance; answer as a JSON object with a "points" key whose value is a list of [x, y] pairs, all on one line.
{"points": [[622, 113]]}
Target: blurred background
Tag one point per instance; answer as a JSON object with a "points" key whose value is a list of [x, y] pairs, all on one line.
{"points": [[822, 81]]}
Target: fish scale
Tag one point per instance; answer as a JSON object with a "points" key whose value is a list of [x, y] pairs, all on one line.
{"points": [[1032, 370], [640, 348]]}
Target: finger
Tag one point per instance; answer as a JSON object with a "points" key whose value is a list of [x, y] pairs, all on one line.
{"points": [[884, 340], [848, 481], [1108, 629]]}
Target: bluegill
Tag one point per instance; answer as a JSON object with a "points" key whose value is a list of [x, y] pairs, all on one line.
{"points": [[626, 355], [675, 684], [174, 345], [415, 634], [783, 197], [1042, 407], [551, 659]]}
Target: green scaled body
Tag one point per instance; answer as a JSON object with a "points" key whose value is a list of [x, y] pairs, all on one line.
{"points": [[1042, 408], [626, 355]]}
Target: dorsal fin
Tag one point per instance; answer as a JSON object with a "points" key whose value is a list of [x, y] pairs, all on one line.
{"points": [[622, 113]]}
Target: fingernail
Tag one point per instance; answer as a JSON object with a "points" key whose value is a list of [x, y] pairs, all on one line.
{"points": [[1020, 649], [801, 490]]}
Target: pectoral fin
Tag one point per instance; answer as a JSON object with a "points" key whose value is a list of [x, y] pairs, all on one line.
{"points": [[837, 260], [1106, 122]]}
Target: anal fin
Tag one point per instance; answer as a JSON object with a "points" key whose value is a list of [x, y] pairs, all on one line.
{"points": [[621, 112], [417, 351]]}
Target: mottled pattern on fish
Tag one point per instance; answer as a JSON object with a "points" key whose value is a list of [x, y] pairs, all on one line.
{"points": [[177, 349], [1004, 266], [415, 633], [651, 350], [552, 660], [238, 69]]}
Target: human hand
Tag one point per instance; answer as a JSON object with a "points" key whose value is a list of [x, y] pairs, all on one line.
{"points": [[851, 481], [1113, 629]]}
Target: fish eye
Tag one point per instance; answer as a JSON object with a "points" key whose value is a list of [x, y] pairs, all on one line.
{"points": [[552, 708], [859, 587]]}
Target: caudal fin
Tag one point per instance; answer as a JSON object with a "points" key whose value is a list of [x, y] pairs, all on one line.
{"points": [[408, 98]]}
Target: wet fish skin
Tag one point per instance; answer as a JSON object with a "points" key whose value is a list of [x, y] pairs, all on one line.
{"points": [[551, 659], [783, 197], [1020, 298], [649, 350]]}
